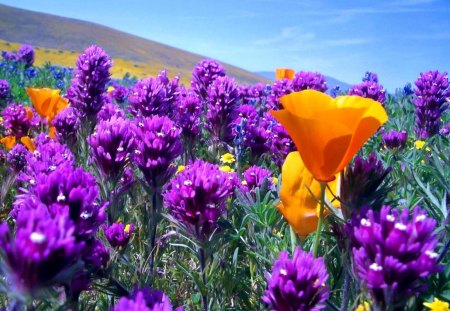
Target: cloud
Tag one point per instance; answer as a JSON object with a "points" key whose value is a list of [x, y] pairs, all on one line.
{"points": [[285, 35]]}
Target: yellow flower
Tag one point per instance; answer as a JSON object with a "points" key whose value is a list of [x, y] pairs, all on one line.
{"points": [[298, 206], [329, 131], [47, 102], [227, 158], [437, 305], [127, 228], [180, 168], [363, 307], [284, 73], [419, 144], [110, 89], [275, 180], [226, 168]]}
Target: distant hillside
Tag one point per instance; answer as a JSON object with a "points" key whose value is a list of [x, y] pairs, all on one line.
{"points": [[67, 36], [331, 82]]}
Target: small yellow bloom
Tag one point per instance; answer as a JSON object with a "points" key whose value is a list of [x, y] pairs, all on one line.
{"points": [[110, 89], [180, 169], [437, 305], [227, 158], [127, 228], [244, 182], [275, 180], [419, 144], [363, 307], [226, 168]]}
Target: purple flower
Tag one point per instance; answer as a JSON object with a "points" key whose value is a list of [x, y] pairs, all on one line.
{"points": [[393, 254], [118, 235], [108, 110], [96, 254], [394, 139], [119, 93], [206, 71], [188, 110], [279, 143], [18, 120], [43, 251], [154, 96], [17, 157], [25, 54], [67, 124], [197, 196], [305, 80], [370, 76], [111, 145], [221, 104], [145, 299], [279, 88], [87, 90], [364, 184], [256, 176], [5, 90], [9, 56], [445, 131], [298, 283], [369, 89], [433, 92], [158, 144]]}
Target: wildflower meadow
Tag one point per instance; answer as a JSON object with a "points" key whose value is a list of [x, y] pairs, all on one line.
{"points": [[126, 194]]}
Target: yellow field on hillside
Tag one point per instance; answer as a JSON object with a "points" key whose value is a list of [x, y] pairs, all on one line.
{"points": [[119, 69]]}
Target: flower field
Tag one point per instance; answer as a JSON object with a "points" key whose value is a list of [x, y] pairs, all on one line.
{"points": [[126, 194]]}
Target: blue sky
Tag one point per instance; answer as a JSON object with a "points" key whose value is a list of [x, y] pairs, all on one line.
{"points": [[397, 39]]}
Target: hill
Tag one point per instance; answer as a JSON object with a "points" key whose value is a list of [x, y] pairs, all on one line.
{"points": [[67, 37]]}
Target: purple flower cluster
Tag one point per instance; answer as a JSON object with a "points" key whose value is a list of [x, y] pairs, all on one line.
{"points": [[18, 120], [393, 254], [119, 93], [111, 145], [109, 110], [206, 71], [256, 176], [188, 110], [17, 157], [363, 185], [394, 139], [88, 87], [158, 144], [96, 255], [445, 131], [145, 299], [369, 89], [41, 252], [279, 88], [25, 55], [279, 143], [118, 235], [298, 283], [433, 92], [370, 76], [197, 196], [5, 90], [221, 105], [305, 80], [154, 96], [67, 123]]}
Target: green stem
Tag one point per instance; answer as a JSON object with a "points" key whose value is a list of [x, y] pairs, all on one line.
{"points": [[293, 239], [323, 186]]}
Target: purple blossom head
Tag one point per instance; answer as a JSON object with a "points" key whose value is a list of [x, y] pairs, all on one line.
{"points": [[67, 124], [5, 90], [369, 89], [111, 145], [256, 176], [364, 184], [370, 76], [88, 86], [393, 253], [206, 71], [394, 139], [255, 95], [222, 104], [9, 56], [158, 144], [298, 283], [279, 143], [42, 252], [445, 131], [17, 157], [154, 96], [305, 80], [96, 255], [109, 110], [432, 95], [280, 88], [118, 234], [188, 110], [119, 93], [18, 120], [197, 196], [25, 54], [145, 299]]}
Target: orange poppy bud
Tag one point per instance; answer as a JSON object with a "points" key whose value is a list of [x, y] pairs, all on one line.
{"points": [[329, 131], [27, 142], [8, 141], [281, 73], [299, 194]]}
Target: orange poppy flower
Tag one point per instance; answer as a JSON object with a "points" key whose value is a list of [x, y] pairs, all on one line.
{"points": [[281, 73], [329, 131], [27, 142], [47, 102], [8, 141], [298, 206]]}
